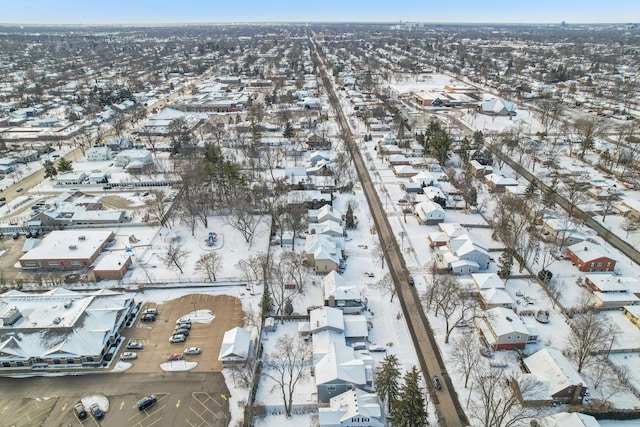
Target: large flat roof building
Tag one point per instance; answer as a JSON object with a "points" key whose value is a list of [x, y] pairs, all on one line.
{"points": [[67, 249]]}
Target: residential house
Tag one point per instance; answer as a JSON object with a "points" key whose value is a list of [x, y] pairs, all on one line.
{"points": [[569, 419], [404, 171], [498, 107], [398, 160], [424, 179], [96, 154], [323, 253], [479, 170], [429, 213], [496, 297], [610, 291], [339, 370], [502, 329], [552, 378], [353, 408], [497, 183], [561, 231], [235, 347], [339, 294], [484, 281], [71, 178], [325, 213], [127, 158], [589, 257]]}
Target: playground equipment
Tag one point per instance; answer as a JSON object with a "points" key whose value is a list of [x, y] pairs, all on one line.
{"points": [[213, 237]]}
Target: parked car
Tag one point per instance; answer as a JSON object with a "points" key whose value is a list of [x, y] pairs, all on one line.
{"points": [[359, 345], [128, 355], [96, 411], [437, 383], [192, 350], [181, 331], [135, 346], [146, 402], [183, 320], [377, 348], [175, 356], [79, 410], [177, 338], [183, 326], [148, 318], [153, 311]]}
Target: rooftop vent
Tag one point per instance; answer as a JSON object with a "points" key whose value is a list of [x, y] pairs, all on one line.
{"points": [[82, 237], [72, 247]]}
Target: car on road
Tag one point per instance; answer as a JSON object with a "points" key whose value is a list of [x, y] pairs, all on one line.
{"points": [[175, 356], [19, 190], [377, 348], [192, 350], [181, 331], [437, 383], [411, 280], [148, 318], [133, 345], [128, 355], [79, 410], [177, 338], [96, 411], [146, 402]]}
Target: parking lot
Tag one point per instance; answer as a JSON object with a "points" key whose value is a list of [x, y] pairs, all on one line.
{"points": [[184, 399], [227, 312]]}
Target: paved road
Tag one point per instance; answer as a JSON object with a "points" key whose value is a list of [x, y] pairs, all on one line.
{"points": [[446, 402]]}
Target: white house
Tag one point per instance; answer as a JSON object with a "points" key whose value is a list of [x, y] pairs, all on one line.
{"points": [[71, 178], [96, 154], [353, 408], [569, 419], [502, 329], [429, 212], [124, 158]]}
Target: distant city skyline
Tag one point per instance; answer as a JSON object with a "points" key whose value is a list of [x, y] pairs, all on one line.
{"points": [[88, 12]]}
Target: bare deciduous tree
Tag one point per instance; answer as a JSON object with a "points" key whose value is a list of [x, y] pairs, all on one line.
{"points": [[498, 404], [590, 334], [175, 256], [209, 265], [287, 365], [465, 355], [387, 285]]}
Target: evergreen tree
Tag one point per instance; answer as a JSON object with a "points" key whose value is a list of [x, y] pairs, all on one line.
{"points": [[387, 381], [410, 409], [64, 165], [505, 264], [288, 130], [349, 218], [50, 169], [267, 302]]}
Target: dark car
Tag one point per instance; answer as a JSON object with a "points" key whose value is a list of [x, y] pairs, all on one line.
{"points": [[146, 402], [78, 408], [148, 318], [183, 331], [437, 383], [411, 281], [96, 411]]}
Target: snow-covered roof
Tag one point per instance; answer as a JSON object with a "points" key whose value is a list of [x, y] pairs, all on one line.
{"points": [[587, 251], [350, 404], [340, 364], [68, 244], [452, 229], [552, 365], [497, 296], [569, 419], [499, 180], [326, 318], [355, 326], [607, 282], [429, 209], [423, 178], [235, 345], [504, 321], [487, 280], [498, 105], [60, 322]]}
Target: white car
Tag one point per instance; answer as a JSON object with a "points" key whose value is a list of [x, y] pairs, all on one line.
{"points": [[377, 348], [128, 355], [192, 350], [177, 338]]}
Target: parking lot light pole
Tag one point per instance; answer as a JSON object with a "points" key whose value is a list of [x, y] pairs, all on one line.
{"points": [[194, 308]]}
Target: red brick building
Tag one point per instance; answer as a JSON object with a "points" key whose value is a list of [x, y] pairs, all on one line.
{"points": [[588, 257]]}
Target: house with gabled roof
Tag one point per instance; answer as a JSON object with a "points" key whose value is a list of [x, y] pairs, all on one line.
{"points": [[342, 295], [429, 213], [487, 281], [353, 408], [323, 252], [404, 171], [499, 183], [502, 329], [339, 370], [558, 379]]}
